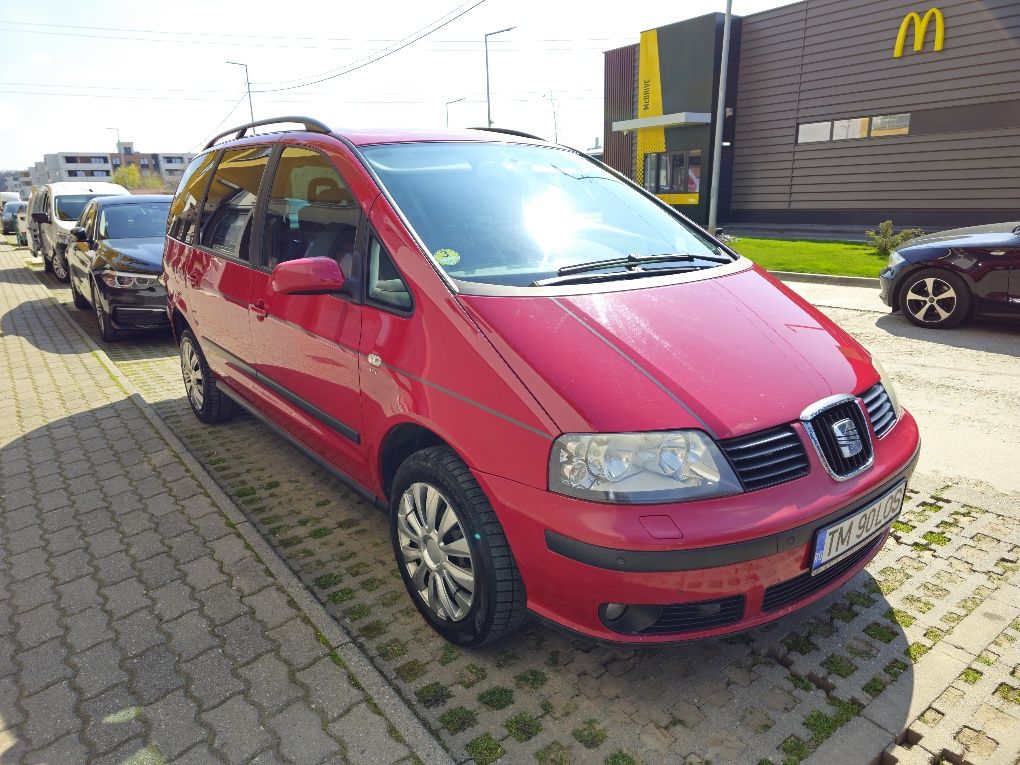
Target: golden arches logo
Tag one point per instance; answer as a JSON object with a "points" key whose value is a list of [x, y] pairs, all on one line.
{"points": [[920, 26]]}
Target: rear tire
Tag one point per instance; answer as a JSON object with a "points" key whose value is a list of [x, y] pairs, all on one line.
{"points": [[935, 299], [208, 403], [59, 266], [458, 569]]}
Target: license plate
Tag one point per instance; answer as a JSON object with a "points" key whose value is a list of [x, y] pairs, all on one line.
{"points": [[836, 541]]}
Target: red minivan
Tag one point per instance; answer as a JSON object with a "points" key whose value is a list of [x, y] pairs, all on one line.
{"points": [[568, 399]]}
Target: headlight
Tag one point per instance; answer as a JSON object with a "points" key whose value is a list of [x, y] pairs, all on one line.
{"points": [[895, 259], [640, 467], [887, 384], [128, 281]]}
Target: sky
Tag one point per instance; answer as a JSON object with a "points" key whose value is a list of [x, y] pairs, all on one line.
{"points": [[74, 73]]}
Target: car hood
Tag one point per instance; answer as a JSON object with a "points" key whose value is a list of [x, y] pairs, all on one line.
{"points": [[144, 255], [990, 235], [730, 354]]}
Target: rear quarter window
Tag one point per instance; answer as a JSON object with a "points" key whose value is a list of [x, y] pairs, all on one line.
{"points": [[183, 219]]}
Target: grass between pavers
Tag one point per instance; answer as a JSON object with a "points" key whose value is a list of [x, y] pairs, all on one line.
{"points": [[811, 257]]}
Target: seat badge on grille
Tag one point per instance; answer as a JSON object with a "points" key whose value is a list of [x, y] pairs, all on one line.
{"points": [[849, 440]]}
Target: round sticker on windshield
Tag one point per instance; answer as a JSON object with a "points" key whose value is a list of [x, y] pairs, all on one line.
{"points": [[447, 257]]}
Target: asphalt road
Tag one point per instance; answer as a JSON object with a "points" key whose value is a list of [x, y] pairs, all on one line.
{"points": [[962, 385]]}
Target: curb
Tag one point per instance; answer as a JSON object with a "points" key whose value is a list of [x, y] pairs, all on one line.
{"points": [[418, 738], [840, 281]]}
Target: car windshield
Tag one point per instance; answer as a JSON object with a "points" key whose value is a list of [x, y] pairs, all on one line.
{"points": [[133, 221], [515, 214], [69, 206]]}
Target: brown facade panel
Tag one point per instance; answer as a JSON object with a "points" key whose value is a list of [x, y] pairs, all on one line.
{"points": [[821, 60], [620, 86]]}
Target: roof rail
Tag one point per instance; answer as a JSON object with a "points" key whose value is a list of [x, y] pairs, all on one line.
{"points": [[312, 126], [508, 131]]}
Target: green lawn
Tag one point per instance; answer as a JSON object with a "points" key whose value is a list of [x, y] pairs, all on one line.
{"points": [[807, 257]]}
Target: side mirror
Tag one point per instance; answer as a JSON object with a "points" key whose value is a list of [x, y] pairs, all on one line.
{"points": [[41, 217], [307, 276], [79, 234]]}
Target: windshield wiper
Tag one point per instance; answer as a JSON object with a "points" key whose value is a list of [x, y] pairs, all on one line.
{"points": [[613, 275], [635, 261]]}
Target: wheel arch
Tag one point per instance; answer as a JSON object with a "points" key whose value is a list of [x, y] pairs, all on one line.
{"points": [[400, 442]]}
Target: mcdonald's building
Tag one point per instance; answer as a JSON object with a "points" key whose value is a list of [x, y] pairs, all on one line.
{"points": [[837, 113]]}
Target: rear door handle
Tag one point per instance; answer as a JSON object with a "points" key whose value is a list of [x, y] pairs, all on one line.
{"points": [[259, 309]]}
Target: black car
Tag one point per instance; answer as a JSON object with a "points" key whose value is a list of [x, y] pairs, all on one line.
{"points": [[942, 279], [115, 261], [10, 216]]}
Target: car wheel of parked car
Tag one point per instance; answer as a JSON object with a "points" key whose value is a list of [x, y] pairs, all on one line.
{"points": [[451, 550], [80, 301], [47, 259], [935, 298], [106, 330], [207, 401], [60, 266]]}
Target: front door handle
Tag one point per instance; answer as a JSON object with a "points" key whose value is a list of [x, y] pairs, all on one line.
{"points": [[259, 309]]}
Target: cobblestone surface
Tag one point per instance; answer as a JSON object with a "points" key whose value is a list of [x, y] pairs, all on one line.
{"points": [[136, 625], [919, 656]]}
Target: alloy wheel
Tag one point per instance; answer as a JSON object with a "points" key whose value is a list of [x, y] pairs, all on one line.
{"points": [[194, 379], [60, 266], [435, 551], [931, 300]]}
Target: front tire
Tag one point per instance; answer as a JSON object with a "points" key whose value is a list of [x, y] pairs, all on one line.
{"points": [[935, 299], [207, 401], [107, 331], [47, 259], [80, 301], [451, 551]]}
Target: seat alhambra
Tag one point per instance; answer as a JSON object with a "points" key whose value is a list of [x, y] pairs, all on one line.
{"points": [[569, 400]]}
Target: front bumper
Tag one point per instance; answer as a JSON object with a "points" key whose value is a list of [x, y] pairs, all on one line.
{"points": [[742, 560], [135, 309], [889, 280]]}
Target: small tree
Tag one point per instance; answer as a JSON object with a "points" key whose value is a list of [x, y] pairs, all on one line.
{"points": [[127, 176], [885, 240]]}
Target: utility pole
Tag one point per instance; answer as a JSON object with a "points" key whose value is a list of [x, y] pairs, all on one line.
{"points": [[455, 101], [556, 130], [247, 84], [488, 97], [720, 118]]}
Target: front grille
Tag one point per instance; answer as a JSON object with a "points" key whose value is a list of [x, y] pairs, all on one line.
{"points": [[694, 617], [767, 457], [820, 427], [783, 594], [880, 409]]}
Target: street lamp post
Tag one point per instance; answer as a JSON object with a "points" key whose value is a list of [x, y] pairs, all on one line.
{"points": [[488, 97], [455, 101], [247, 84], [720, 118]]}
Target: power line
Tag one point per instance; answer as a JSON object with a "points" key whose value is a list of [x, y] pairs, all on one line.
{"points": [[362, 63], [276, 37], [233, 108]]}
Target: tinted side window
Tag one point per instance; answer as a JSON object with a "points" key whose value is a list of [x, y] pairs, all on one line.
{"points": [[386, 287], [311, 212], [230, 204], [183, 218], [88, 219]]}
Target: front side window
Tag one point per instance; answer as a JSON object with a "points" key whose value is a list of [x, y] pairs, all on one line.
{"points": [[230, 203], [133, 221], [311, 211], [184, 209], [88, 218], [514, 214]]}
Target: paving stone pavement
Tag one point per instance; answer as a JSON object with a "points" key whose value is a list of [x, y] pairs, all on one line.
{"points": [[136, 624], [917, 660]]}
